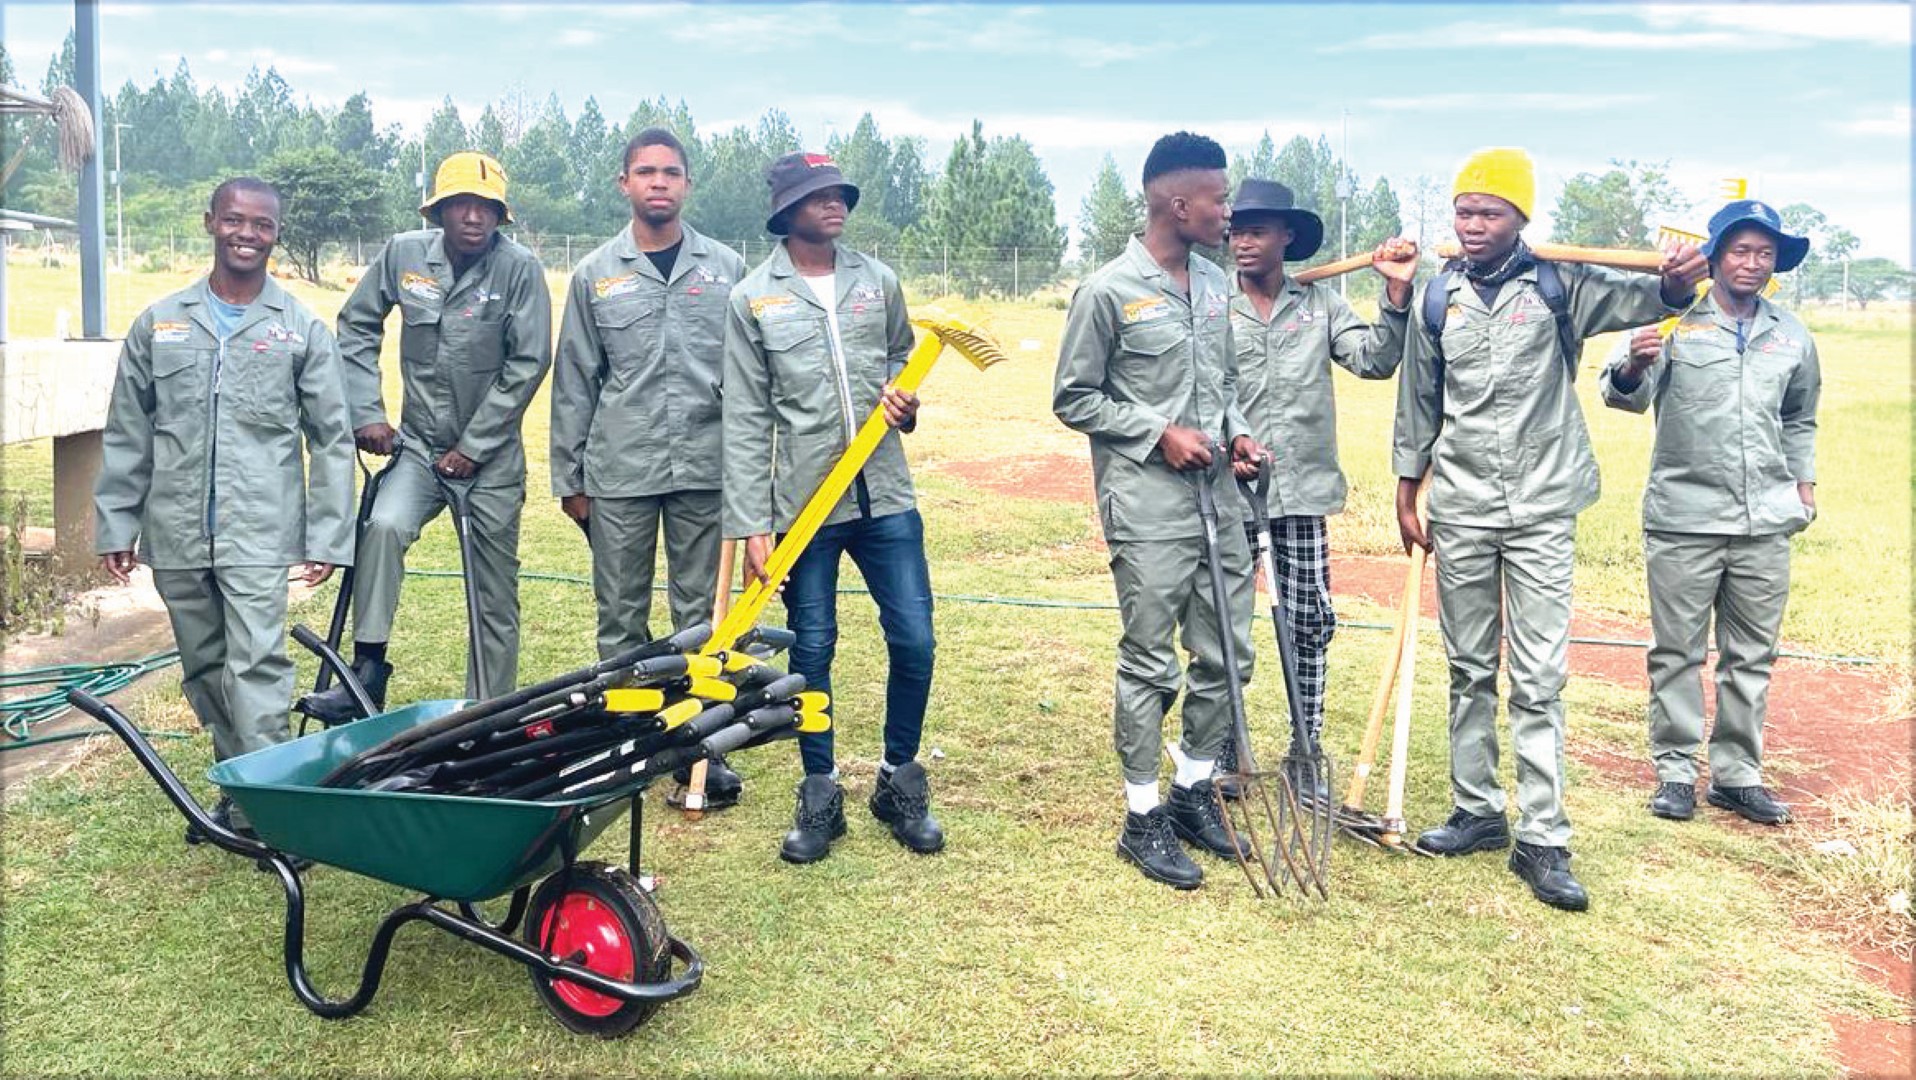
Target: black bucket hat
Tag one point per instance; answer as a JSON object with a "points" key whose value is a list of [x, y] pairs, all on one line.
{"points": [[1790, 250], [1256, 197], [796, 175]]}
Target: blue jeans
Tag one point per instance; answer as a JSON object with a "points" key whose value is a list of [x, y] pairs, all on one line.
{"points": [[890, 552]]}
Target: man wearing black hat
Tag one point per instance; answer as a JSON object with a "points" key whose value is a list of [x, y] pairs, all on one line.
{"points": [[1735, 381], [1148, 371], [814, 338], [1287, 336]]}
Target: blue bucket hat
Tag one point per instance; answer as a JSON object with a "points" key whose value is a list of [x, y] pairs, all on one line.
{"points": [[1790, 250]]}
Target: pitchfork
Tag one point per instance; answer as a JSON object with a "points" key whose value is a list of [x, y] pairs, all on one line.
{"points": [[1282, 836]]}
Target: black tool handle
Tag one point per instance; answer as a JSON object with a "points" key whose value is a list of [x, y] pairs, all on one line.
{"points": [[1259, 528], [1221, 600], [330, 660]]}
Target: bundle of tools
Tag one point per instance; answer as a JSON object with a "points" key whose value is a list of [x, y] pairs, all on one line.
{"points": [[614, 726]]}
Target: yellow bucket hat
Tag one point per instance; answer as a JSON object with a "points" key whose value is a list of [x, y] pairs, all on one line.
{"points": [[1503, 171], [469, 172]]}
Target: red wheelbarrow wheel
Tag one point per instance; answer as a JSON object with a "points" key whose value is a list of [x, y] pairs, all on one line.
{"points": [[598, 917]]}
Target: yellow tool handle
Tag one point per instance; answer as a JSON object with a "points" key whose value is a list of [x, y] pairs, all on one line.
{"points": [[1649, 262], [1406, 682], [751, 603]]}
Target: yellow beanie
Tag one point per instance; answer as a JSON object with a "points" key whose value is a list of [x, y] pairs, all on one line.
{"points": [[1503, 171]]}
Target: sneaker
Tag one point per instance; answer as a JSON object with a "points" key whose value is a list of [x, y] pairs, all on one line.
{"points": [[1196, 819], [818, 820], [334, 705], [1674, 801], [1465, 833], [1547, 871], [1147, 840], [1753, 803], [902, 800]]}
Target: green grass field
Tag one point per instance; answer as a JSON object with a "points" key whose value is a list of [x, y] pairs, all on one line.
{"points": [[1027, 946]]}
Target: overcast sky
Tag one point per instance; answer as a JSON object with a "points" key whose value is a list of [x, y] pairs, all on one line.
{"points": [[1812, 103]]}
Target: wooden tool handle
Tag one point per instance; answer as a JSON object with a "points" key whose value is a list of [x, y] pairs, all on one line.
{"points": [[1406, 682], [1649, 262], [1332, 269], [721, 606], [1380, 701]]}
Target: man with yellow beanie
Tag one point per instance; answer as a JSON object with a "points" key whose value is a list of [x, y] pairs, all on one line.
{"points": [[1487, 408], [475, 341]]}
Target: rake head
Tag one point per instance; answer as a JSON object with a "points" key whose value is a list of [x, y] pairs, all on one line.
{"points": [[1286, 829], [961, 335]]}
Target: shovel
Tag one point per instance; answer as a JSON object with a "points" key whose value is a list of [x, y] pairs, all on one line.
{"points": [[1266, 820], [458, 495], [1387, 831]]}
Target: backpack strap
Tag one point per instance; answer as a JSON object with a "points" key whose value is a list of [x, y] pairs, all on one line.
{"points": [[1436, 308], [1557, 298]]}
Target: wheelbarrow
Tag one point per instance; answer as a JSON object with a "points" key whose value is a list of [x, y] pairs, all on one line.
{"points": [[593, 939]]}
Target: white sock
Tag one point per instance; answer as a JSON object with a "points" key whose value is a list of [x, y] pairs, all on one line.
{"points": [[1190, 770], [1141, 798]]}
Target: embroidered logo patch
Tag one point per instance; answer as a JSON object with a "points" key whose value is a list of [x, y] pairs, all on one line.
{"points": [[607, 288], [762, 304], [1214, 305], [866, 294], [171, 333], [284, 336], [420, 285], [1150, 307]]}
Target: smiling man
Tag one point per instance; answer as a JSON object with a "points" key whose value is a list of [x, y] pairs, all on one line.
{"points": [[1288, 335], [1148, 371], [1732, 478], [219, 385], [474, 343], [817, 333], [635, 407], [1487, 408]]}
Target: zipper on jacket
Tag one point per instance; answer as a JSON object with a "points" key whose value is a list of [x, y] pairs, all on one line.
{"points": [[213, 444], [834, 346]]}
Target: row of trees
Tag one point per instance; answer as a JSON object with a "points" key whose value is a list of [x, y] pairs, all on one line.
{"points": [[347, 178]]}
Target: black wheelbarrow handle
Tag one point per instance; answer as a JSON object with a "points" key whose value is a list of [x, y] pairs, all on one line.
{"points": [[169, 782], [342, 603]]}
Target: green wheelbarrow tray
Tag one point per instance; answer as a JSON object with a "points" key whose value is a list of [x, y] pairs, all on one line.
{"points": [[449, 846], [594, 943]]}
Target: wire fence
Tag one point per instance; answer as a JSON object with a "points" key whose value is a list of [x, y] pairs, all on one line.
{"points": [[935, 270]]}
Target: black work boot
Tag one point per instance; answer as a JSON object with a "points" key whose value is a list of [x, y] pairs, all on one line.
{"points": [[334, 705], [1674, 801], [1753, 803], [723, 787], [1465, 833], [1147, 841], [1547, 871], [1196, 819], [902, 800], [818, 820], [1224, 774]]}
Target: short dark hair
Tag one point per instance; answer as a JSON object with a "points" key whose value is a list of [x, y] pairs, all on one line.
{"points": [[253, 184], [654, 136], [1182, 150]]}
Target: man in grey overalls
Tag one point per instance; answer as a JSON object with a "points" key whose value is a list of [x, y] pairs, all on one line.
{"points": [[475, 341], [1488, 410], [635, 407], [1735, 382], [1147, 369], [220, 387]]}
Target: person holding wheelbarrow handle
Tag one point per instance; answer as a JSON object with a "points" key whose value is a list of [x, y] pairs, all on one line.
{"points": [[474, 344]]}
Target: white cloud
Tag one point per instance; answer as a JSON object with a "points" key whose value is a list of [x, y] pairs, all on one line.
{"points": [[1876, 24], [1508, 102], [579, 36], [290, 65], [1894, 122]]}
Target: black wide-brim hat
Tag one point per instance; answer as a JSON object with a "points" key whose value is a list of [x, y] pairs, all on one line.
{"points": [[798, 174], [1270, 198], [1790, 250]]}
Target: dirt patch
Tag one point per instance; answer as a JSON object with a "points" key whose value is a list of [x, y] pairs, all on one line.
{"points": [[1046, 477]]}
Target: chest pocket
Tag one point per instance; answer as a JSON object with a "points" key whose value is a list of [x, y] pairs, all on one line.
{"points": [[1151, 340], [1703, 377], [627, 329], [419, 332], [179, 385], [267, 394], [1468, 374]]}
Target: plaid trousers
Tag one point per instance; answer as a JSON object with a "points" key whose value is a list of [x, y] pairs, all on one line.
{"points": [[1301, 548]]}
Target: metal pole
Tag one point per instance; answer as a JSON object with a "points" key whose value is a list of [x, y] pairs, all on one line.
{"points": [[1343, 205], [1015, 291], [86, 76], [119, 205]]}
